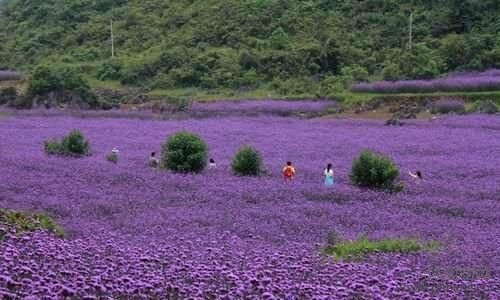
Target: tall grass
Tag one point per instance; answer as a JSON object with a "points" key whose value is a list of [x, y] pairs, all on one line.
{"points": [[362, 246]]}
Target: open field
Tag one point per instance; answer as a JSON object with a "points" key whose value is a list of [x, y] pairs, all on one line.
{"points": [[130, 230]]}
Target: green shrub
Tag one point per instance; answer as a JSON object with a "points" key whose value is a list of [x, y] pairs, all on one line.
{"points": [[73, 144], [374, 171], [109, 71], [294, 86], [247, 162], [59, 81], [8, 95], [362, 246], [112, 157], [22, 221], [333, 85], [52, 147], [184, 152], [392, 72], [356, 72], [485, 107], [43, 80]]}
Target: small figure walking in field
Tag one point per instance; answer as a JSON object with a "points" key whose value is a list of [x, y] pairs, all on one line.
{"points": [[153, 161], [211, 164], [417, 176], [328, 174], [113, 156], [289, 171]]}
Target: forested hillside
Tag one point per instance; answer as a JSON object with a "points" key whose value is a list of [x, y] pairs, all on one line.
{"points": [[238, 44]]}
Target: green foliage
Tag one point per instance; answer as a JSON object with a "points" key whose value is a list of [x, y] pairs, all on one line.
{"points": [[112, 157], [355, 73], [47, 79], [484, 106], [8, 95], [22, 221], [43, 80], [184, 152], [293, 86], [331, 85], [247, 162], [362, 247], [73, 144], [52, 147], [109, 71], [392, 72], [233, 44], [374, 171]]}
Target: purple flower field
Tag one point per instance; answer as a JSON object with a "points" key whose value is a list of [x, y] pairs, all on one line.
{"points": [[460, 82], [136, 232], [253, 107], [9, 75]]}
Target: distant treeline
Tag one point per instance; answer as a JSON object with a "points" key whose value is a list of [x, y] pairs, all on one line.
{"points": [[235, 44]]}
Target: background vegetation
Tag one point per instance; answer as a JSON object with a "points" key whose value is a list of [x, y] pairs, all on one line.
{"points": [[287, 46]]}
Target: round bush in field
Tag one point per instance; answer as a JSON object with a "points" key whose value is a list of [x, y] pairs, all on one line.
{"points": [[247, 162], [374, 171], [73, 144], [184, 152]]}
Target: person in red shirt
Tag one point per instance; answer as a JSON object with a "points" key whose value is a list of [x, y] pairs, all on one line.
{"points": [[289, 171]]}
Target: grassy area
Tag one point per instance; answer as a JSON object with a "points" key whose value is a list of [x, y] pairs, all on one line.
{"points": [[348, 99], [362, 247], [23, 221], [98, 84]]}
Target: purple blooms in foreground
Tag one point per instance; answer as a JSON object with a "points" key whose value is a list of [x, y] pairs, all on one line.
{"points": [[9, 75], [459, 82], [136, 232]]}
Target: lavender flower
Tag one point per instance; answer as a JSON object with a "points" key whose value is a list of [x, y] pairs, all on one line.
{"points": [[465, 82], [131, 231]]}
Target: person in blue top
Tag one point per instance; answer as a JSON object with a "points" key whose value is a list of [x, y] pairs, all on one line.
{"points": [[328, 175]]}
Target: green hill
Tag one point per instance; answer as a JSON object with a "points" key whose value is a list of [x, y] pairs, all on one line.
{"points": [[290, 46]]}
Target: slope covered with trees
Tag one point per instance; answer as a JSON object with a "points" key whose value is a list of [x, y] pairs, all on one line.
{"points": [[235, 44]]}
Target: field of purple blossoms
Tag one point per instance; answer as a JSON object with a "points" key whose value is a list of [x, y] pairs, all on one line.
{"points": [[260, 107], [461, 82], [136, 232]]}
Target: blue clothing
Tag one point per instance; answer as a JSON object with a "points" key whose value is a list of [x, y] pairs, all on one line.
{"points": [[328, 177]]}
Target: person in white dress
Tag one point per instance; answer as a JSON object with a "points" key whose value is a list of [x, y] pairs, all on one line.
{"points": [[328, 175], [417, 176], [211, 164], [153, 161]]}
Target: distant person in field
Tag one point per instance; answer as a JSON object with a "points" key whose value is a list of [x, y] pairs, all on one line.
{"points": [[289, 171], [328, 174], [153, 161], [417, 176], [211, 164]]}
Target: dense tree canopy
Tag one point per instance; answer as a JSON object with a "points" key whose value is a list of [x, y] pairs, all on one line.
{"points": [[237, 43]]}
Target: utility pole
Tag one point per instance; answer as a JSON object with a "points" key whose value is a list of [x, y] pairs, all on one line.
{"points": [[411, 29], [112, 41]]}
